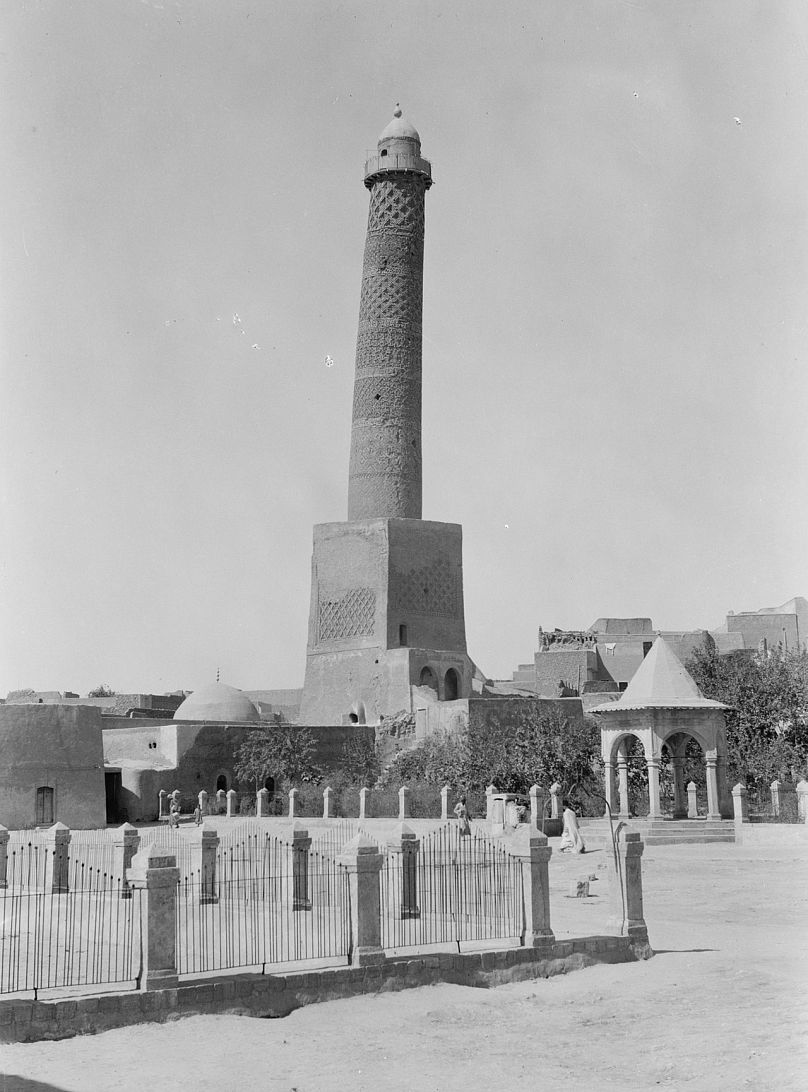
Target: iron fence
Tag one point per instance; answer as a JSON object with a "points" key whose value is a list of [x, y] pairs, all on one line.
{"points": [[262, 903], [65, 923], [455, 889]]}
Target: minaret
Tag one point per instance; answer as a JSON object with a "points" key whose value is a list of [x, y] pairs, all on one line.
{"points": [[387, 630], [385, 468]]}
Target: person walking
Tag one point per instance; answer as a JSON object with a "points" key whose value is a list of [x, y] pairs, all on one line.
{"points": [[571, 834]]}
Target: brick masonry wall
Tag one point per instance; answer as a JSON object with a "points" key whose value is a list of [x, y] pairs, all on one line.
{"points": [[278, 995]]}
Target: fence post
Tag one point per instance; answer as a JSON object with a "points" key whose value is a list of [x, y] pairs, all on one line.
{"points": [[630, 848], [406, 842], [775, 791], [363, 862], [162, 806], [740, 806], [489, 793], [221, 801], [262, 803], [301, 844], [231, 803], [533, 852], [535, 807], [364, 793], [444, 801], [328, 802], [57, 839], [404, 811], [802, 800], [4, 836], [154, 873], [292, 803], [126, 842], [205, 850], [692, 801], [203, 803], [556, 806]]}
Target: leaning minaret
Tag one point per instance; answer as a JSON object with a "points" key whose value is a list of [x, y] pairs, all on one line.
{"points": [[385, 467]]}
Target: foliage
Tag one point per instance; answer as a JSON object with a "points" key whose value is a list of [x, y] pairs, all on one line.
{"points": [[440, 759], [286, 754], [360, 762], [102, 691], [767, 722]]}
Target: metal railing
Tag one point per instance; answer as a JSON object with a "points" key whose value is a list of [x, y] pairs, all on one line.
{"points": [[65, 923], [455, 889], [263, 903]]}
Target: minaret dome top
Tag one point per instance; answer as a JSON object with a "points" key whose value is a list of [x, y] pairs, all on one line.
{"points": [[399, 150], [399, 129]]}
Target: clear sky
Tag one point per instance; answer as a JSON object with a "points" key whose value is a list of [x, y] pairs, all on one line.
{"points": [[615, 331]]}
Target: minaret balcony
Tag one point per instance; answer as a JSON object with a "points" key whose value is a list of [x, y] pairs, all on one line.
{"points": [[396, 161]]}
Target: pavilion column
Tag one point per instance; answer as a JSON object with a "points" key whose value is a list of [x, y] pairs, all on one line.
{"points": [[622, 782], [608, 786], [654, 809], [713, 809], [724, 797], [679, 802]]}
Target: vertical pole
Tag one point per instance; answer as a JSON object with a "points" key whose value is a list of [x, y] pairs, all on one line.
{"points": [[206, 848], [630, 849], [774, 788], [556, 803], [231, 803], [489, 794], [262, 803], [203, 803], [292, 803], [154, 873], [535, 806], [328, 803], [692, 801], [4, 836], [126, 843], [162, 807], [622, 786], [713, 810], [654, 809], [57, 840], [534, 855], [404, 810], [444, 802], [406, 842], [609, 787], [221, 801], [301, 844], [364, 793], [363, 862], [679, 809], [802, 800], [740, 803]]}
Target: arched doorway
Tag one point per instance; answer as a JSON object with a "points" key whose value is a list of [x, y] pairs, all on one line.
{"points": [[221, 783], [451, 685], [429, 678]]}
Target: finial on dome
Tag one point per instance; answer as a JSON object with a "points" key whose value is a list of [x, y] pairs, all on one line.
{"points": [[397, 111]]}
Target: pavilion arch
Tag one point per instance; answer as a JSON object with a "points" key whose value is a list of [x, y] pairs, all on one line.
{"points": [[428, 678], [451, 685]]}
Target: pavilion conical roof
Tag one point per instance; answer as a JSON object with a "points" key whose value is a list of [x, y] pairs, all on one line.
{"points": [[660, 682]]}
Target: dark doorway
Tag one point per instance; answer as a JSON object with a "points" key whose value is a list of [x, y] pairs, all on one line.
{"points": [[428, 678], [221, 783], [44, 807], [451, 685], [112, 784]]}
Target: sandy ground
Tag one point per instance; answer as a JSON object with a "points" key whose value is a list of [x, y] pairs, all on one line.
{"points": [[722, 1006]]}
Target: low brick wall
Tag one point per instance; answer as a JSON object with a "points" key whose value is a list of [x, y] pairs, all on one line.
{"points": [[278, 995]]}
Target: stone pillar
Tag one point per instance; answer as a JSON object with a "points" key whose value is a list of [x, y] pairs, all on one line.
{"points": [[654, 809], [154, 873], [328, 803], [802, 800], [126, 843], [692, 801], [556, 801], [404, 809], [364, 862], [406, 842], [221, 801], [4, 836], [533, 851], [609, 790], [162, 807], [489, 792], [206, 847], [713, 810], [204, 809], [679, 807], [301, 844], [444, 802], [231, 803], [724, 797], [364, 793], [535, 806], [57, 841], [630, 848], [740, 805], [262, 803], [622, 784], [292, 803], [775, 791]]}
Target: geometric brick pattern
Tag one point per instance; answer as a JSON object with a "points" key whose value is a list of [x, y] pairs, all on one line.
{"points": [[429, 589], [351, 615], [397, 205]]}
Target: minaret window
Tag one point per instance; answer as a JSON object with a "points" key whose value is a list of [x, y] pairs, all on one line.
{"points": [[383, 151], [402, 636]]}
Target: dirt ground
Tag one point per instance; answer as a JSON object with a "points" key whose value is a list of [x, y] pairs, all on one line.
{"points": [[723, 1005]]}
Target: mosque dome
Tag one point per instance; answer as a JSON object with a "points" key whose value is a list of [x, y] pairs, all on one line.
{"points": [[216, 701], [399, 129]]}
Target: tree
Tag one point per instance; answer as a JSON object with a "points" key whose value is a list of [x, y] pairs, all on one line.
{"points": [[102, 691], [360, 763], [767, 719], [440, 759], [287, 754]]}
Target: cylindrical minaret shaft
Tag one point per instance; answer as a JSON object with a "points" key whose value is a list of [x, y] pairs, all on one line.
{"points": [[385, 469]]}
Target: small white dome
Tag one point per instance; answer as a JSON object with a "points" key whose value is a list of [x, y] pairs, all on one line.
{"points": [[216, 701], [399, 129]]}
